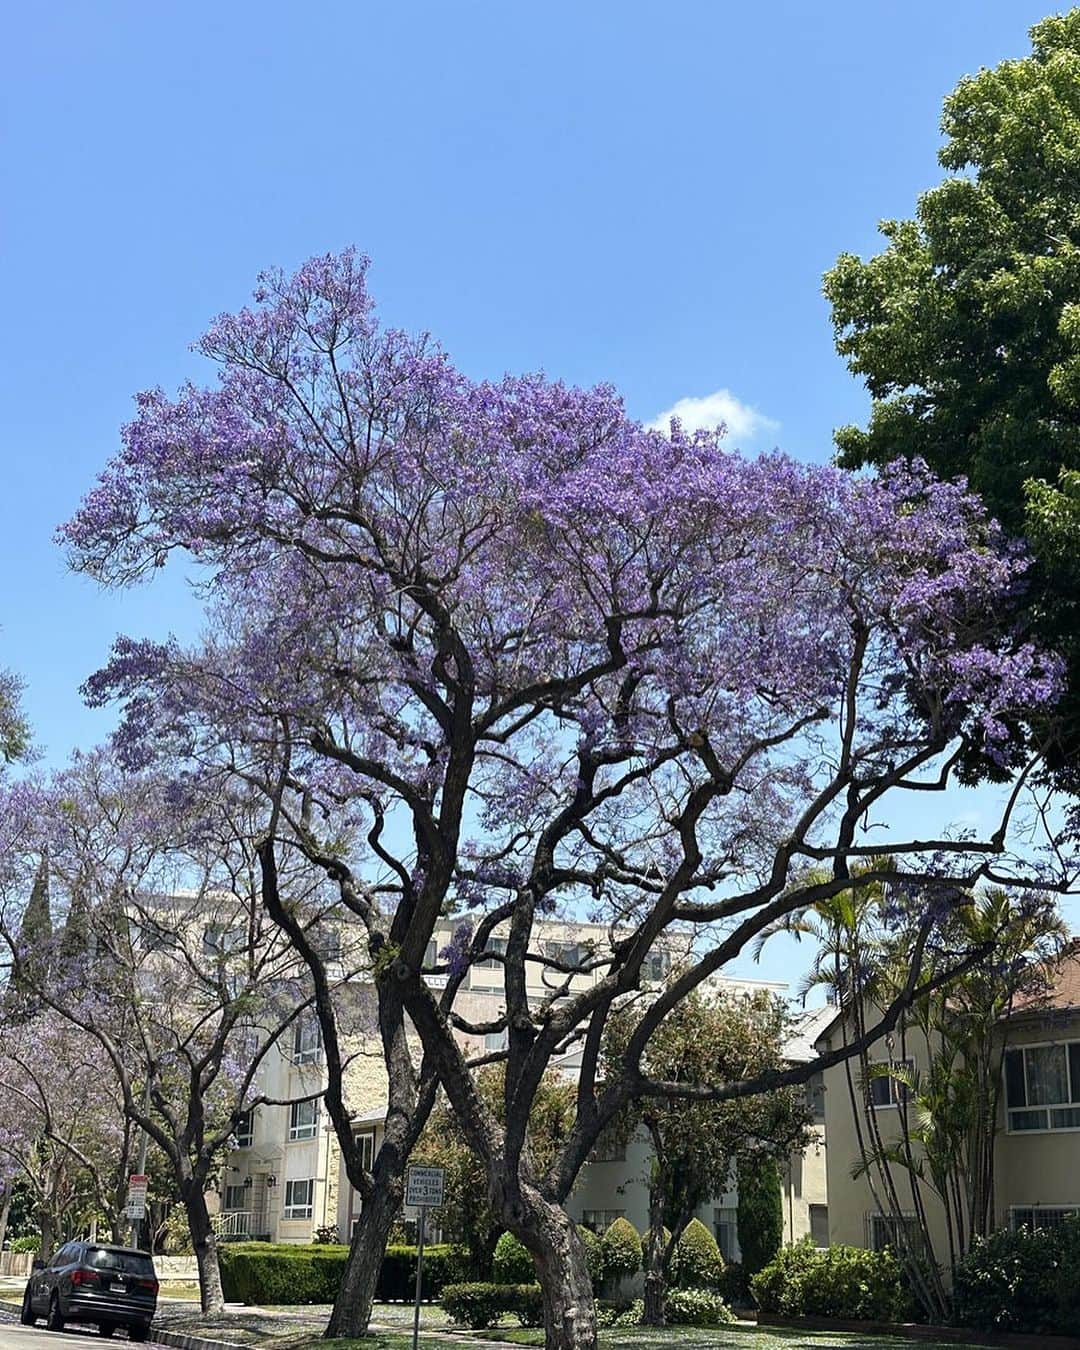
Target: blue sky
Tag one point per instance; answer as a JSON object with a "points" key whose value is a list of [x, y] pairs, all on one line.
{"points": [[641, 193]]}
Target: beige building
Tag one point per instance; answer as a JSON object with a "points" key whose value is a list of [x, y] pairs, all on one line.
{"points": [[1037, 1146], [285, 1179]]}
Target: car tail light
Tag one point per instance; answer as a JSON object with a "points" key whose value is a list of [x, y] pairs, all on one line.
{"points": [[152, 1285], [82, 1276]]}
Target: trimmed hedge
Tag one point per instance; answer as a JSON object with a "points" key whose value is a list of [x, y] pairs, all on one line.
{"points": [[837, 1282], [1024, 1281], [480, 1304], [696, 1262], [620, 1251], [512, 1262], [268, 1272]]}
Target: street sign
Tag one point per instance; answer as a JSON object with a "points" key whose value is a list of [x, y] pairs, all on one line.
{"points": [[136, 1196], [424, 1187]]}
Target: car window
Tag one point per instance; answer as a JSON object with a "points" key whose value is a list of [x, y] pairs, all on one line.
{"points": [[131, 1263], [62, 1257]]}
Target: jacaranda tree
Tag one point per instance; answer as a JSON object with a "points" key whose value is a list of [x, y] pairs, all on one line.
{"points": [[558, 665]]}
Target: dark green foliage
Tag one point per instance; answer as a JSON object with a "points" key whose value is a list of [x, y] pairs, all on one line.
{"points": [[760, 1215], [1023, 1281], [481, 1303], [837, 1282], [513, 1263], [594, 1255], [966, 327], [697, 1308], [35, 948], [696, 1262], [620, 1251], [734, 1286], [268, 1273]]}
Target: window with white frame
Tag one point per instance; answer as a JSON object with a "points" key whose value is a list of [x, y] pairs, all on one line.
{"points": [[1042, 1086], [885, 1090], [885, 1231], [656, 965], [235, 1197], [725, 1232], [219, 939], [1040, 1216], [307, 1041], [244, 1133], [566, 953], [365, 1142], [819, 1225], [326, 939], [497, 946], [299, 1198], [494, 1041], [303, 1120], [600, 1220], [815, 1096]]}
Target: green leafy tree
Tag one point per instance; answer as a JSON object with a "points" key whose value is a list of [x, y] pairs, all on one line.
{"points": [[760, 1215], [966, 327], [695, 1142], [466, 1215]]}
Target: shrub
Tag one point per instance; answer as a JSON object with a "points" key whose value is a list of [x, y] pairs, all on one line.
{"points": [[513, 1263], [1024, 1281], [734, 1287], [327, 1235], [594, 1255], [696, 1262], [267, 1272], [697, 1308], [26, 1244], [620, 1251], [479, 1304], [760, 1214], [836, 1282], [631, 1315]]}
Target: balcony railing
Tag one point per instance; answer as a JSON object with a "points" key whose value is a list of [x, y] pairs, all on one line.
{"points": [[231, 1225]]}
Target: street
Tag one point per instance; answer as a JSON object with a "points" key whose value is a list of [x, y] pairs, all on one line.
{"points": [[14, 1336]]}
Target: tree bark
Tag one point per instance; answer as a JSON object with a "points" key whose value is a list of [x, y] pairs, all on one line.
{"points": [[5, 1210], [569, 1310], [655, 1312], [352, 1307], [204, 1244]]}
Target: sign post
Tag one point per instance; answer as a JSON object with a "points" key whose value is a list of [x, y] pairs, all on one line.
{"points": [[423, 1191], [136, 1200]]}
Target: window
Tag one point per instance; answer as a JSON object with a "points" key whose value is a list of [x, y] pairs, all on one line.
{"points": [[326, 939], [431, 955], [496, 945], [610, 1146], [495, 1041], [815, 1093], [884, 1230], [656, 965], [131, 1263], [307, 1041], [819, 1225], [244, 1133], [1040, 1216], [566, 953], [299, 1199], [724, 1230], [1041, 1084], [599, 1220], [887, 1091], [235, 1197], [303, 1120], [366, 1144], [219, 939]]}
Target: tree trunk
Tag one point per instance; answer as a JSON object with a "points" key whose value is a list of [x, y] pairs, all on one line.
{"points": [[48, 1234], [569, 1311], [352, 1307], [5, 1210], [204, 1244], [655, 1313]]}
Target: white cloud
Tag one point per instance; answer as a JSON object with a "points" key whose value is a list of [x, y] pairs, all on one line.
{"points": [[713, 410]]}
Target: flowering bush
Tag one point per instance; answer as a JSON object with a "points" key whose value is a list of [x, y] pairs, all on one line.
{"points": [[697, 1308]]}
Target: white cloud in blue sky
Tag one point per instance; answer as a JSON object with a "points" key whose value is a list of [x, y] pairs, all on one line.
{"points": [[720, 408]]}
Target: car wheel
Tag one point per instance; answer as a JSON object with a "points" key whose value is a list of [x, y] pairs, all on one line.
{"points": [[139, 1333], [55, 1319], [106, 1329], [26, 1316]]}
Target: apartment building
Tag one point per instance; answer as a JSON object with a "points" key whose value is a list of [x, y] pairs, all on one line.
{"points": [[285, 1179], [1037, 1144]]}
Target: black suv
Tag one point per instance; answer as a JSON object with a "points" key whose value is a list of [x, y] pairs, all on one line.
{"points": [[89, 1282]]}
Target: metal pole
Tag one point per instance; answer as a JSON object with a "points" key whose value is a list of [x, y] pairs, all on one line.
{"points": [[419, 1277], [138, 1224]]}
